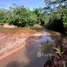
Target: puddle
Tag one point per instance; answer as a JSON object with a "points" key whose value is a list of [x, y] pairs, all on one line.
{"points": [[29, 55]]}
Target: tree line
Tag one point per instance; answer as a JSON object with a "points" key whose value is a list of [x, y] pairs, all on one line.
{"points": [[21, 16]]}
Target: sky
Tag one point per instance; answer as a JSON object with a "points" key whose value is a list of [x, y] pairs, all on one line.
{"points": [[27, 3]]}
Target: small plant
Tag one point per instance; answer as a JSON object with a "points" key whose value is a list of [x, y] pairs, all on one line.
{"points": [[58, 51]]}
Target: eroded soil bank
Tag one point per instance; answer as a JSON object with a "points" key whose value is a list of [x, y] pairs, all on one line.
{"points": [[59, 59]]}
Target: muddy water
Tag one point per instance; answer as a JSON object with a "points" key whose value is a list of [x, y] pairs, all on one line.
{"points": [[34, 54]]}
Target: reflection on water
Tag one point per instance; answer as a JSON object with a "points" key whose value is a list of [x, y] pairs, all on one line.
{"points": [[31, 51], [27, 57], [44, 38]]}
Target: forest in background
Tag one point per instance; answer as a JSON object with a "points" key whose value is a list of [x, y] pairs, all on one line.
{"points": [[23, 17]]}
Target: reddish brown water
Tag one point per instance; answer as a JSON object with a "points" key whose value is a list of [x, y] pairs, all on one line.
{"points": [[19, 47]]}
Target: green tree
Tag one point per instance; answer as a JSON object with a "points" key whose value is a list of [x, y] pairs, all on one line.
{"points": [[51, 5]]}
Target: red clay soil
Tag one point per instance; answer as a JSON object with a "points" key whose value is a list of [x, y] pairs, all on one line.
{"points": [[11, 40]]}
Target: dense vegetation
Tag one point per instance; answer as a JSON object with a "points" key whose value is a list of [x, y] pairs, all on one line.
{"points": [[21, 16]]}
